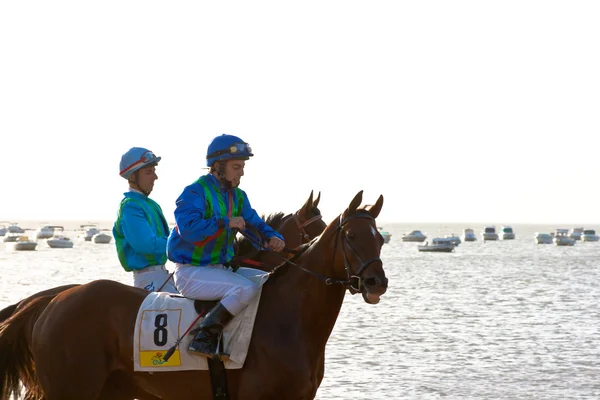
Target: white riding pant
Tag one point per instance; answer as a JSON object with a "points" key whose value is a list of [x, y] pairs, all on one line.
{"points": [[152, 278], [215, 282]]}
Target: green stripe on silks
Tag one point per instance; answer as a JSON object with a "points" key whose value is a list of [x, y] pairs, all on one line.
{"points": [[208, 213], [215, 254]]}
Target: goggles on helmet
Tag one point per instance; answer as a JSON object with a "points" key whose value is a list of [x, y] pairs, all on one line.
{"points": [[236, 148], [147, 156]]}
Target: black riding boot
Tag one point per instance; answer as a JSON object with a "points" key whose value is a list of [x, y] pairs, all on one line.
{"points": [[207, 339]]}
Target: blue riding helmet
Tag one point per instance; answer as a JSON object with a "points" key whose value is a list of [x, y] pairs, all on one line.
{"points": [[134, 159], [227, 147]]}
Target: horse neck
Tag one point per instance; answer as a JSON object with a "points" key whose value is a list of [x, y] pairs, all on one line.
{"points": [[318, 304]]}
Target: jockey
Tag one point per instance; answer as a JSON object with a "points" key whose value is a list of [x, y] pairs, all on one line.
{"points": [[141, 230], [201, 245]]}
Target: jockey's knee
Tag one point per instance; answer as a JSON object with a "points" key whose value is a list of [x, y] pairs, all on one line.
{"points": [[239, 297]]}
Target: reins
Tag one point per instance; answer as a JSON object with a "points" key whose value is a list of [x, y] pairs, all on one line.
{"points": [[328, 281]]}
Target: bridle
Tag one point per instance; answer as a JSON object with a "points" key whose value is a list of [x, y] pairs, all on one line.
{"points": [[364, 264], [302, 225]]}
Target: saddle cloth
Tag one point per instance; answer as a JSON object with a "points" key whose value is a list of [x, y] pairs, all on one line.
{"points": [[163, 318]]}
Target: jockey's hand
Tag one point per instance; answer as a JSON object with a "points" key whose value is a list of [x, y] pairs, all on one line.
{"points": [[237, 222], [276, 244]]}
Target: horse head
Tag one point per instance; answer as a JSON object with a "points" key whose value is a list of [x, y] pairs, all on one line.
{"points": [[308, 222], [297, 228], [357, 248]]}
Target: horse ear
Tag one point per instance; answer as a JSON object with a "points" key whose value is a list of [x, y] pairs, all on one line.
{"points": [[376, 208], [305, 210], [355, 203], [316, 201]]}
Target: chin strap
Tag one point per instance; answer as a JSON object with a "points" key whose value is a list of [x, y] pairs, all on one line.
{"points": [[134, 183], [221, 176]]}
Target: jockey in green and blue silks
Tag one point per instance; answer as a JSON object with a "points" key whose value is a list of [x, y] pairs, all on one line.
{"points": [[204, 241], [206, 214], [141, 230]]}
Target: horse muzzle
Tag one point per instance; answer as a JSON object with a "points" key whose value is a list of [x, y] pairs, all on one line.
{"points": [[372, 288]]}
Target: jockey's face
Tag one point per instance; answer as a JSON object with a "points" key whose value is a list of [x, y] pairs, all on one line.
{"points": [[144, 178], [234, 170]]}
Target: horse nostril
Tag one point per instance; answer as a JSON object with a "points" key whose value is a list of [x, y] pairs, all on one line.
{"points": [[372, 281], [376, 281]]}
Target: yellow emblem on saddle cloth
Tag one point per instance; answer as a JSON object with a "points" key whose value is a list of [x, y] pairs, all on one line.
{"points": [[163, 318]]}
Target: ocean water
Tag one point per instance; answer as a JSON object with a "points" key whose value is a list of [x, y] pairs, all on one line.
{"points": [[495, 320]]}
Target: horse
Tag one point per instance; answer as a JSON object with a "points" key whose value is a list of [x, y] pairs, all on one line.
{"points": [[296, 228], [83, 337]]}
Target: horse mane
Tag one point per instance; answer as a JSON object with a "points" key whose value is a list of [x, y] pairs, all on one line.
{"points": [[274, 220]]}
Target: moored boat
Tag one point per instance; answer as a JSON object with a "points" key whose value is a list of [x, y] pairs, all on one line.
{"points": [[23, 243], [589, 235], [543, 238], [469, 235], [414, 236], [439, 245]]}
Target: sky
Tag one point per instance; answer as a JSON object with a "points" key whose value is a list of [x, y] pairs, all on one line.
{"points": [[454, 111]]}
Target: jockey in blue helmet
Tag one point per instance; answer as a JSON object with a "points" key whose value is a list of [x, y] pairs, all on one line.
{"points": [[132, 161], [141, 230], [208, 212], [223, 148]]}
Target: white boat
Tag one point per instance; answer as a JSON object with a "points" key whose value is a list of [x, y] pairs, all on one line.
{"points": [[3, 230], [489, 233], [11, 237], [414, 236], [454, 239], [589, 235], [59, 241], [440, 245], [562, 238], [386, 235], [469, 235], [101, 238], [507, 233], [44, 232], [88, 231], [23, 243], [543, 238], [14, 228], [576, 233]]}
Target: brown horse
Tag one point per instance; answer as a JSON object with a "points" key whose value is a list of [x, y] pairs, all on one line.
{"points": [[297, 228], [83, 338]]}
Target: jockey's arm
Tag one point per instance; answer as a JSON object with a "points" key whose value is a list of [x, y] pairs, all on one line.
{"points": [[190, 217]]}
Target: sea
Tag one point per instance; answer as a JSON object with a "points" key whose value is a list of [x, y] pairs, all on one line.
{"points": [[510, 319]]}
